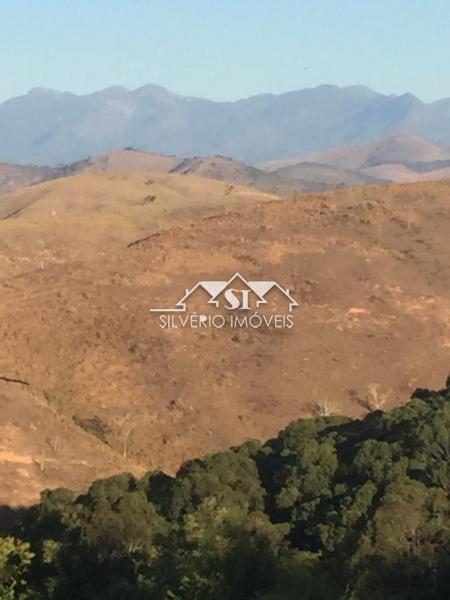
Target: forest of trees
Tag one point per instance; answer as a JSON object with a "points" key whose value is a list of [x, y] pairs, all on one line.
{"points": [[331, 509]]}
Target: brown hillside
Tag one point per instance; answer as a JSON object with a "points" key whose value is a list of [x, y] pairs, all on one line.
{"points": [[399, 148], [403, 174], [224, 168], [87, 215], [126, 160], [369, 266], [328, 177]]}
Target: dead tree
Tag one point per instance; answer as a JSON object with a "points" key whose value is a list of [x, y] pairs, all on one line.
{"points": [[374, 399], [323, 408]]}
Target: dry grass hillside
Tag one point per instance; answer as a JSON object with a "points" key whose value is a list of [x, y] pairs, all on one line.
{"points": [[87, 215], [96, 386], [328, 177], [405, 174], [397, 148], [224, 168], [126, 160], [397, 158]]}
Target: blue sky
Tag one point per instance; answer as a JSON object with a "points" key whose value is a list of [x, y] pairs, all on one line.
{"points": [[225, 49]]}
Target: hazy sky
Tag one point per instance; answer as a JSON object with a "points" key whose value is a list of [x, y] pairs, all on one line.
{"points": [[225, 49]]}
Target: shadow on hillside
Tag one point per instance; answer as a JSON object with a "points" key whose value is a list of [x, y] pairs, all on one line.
{"points": [[9, 518]]}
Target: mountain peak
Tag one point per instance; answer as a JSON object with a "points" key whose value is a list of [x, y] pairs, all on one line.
{"points": [[43, 91], [152, 89]]}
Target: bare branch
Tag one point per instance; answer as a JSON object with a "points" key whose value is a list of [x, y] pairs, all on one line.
{"points": [[323, 408], [374, 399]]}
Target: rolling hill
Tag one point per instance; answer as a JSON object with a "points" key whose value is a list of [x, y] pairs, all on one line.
{"points": [[84, 258], [224, 168], [326, 176], [399, 148], [397, 158], [73, 225], [75, 217], [125, 160], [221, 168], [402, 173]]}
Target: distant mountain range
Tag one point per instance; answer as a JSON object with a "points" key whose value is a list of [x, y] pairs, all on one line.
{"points": [[50, 127], [395, 158]]}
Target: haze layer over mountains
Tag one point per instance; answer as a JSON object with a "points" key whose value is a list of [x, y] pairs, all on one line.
{"points": [[49, 127]]}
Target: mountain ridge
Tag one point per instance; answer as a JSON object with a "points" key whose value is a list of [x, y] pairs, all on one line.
{"points": [[392, 159], [221, 168], [49, 127]]}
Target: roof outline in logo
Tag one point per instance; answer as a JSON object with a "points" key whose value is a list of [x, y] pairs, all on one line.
{"points": [[215, 288]]}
